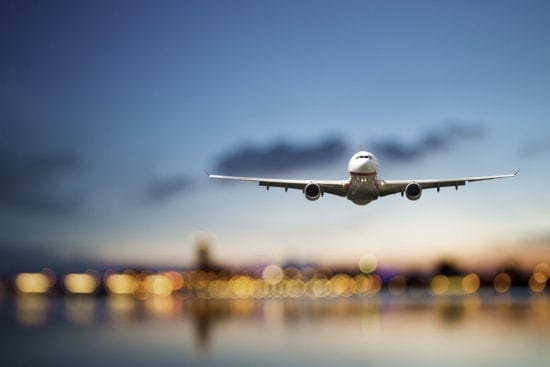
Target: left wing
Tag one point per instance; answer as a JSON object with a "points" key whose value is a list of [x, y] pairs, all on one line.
{"points": [[393, 187], [339, 188]]}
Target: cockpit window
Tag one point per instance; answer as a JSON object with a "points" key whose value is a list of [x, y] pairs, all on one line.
{"points": [[363, 156]]}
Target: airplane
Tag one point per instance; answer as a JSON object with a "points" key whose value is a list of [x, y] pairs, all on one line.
{"points": [[363, 185]]}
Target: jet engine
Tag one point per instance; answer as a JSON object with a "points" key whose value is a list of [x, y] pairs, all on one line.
{"points": [[312, 191], [413, 191]]}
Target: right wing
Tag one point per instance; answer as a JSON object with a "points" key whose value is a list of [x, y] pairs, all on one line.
{"points": [[339, 188], [394, 187]]}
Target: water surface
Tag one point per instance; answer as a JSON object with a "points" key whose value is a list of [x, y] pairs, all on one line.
{"points": [[490, 330]]}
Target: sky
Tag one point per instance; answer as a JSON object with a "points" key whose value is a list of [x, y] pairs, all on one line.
{"points": [[110, 110]]}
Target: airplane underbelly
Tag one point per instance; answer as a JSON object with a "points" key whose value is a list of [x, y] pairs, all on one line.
{"points": [[362, 191]]}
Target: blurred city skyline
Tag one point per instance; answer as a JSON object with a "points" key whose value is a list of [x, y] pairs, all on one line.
{"points": [[110, 110]]}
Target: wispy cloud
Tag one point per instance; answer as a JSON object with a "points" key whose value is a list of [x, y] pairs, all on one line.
{"points": [[280, 156], [430, 142], [284, 156], [30, 177], [162, 190]]}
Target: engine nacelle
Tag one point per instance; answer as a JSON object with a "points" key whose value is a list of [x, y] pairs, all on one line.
{"points": [[312, 191], [413, 191]]}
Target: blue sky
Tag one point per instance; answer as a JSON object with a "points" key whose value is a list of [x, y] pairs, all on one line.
{"points": [[110, 110]]}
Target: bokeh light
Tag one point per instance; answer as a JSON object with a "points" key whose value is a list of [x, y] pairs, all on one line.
{"points": [[502, 283], [32, 283], [537, 282], [362, 283], [241, 286], [80, 283], [440, 284], [543, 268], [121, 283], [375, 284], [272, 274], [218, 289], [176, 279], [470, 283], [368, 263], [158, 285]]}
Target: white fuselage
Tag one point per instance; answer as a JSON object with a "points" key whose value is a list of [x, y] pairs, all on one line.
{"points": [[363, 169]]}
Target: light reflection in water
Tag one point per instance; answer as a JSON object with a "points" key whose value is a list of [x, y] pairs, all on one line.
{"points": [[31, 309], [80, 309], [428, 330]]}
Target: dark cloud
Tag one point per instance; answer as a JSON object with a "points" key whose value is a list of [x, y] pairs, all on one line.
{"points": [[32, 177], [279, 157], [395, 150], [284, 156], [460, 130], [166, 189], [430, 142]]}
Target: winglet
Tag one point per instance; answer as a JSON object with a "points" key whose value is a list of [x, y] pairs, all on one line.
{"points": [[205, 171], [517, 171]]}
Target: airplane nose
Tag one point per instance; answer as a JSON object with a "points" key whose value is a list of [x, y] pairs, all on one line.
{"points": [[367, 165]]}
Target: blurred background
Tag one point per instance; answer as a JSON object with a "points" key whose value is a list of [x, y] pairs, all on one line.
{"points": [[114, 244]]}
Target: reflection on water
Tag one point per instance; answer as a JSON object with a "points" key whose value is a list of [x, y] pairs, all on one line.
{"points": [[31, 310], [385, 330]]}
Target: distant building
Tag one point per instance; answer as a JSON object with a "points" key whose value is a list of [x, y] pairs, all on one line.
{"points": [[203, 255]]}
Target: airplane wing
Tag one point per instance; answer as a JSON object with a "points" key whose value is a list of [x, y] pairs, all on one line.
{"points": [[339, 188], [393, 187]]}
